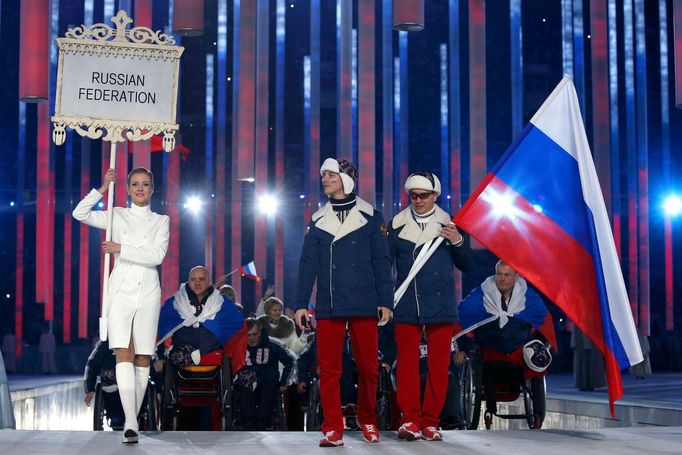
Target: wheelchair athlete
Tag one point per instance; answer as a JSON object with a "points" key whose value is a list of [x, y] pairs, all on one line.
{"points": [[199, 318], [259, 382], [510, 324]]}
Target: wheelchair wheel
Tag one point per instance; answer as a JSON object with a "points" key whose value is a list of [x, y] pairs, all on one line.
{"points": [[226, 396], [147, 416], [313, 415], [279, 417], [471, 391], [98, 409], [384, 400], [528, 406], [169, 411], [538, 393]]}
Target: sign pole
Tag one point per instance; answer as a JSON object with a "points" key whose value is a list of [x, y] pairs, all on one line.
{"points": [[104, 318]]}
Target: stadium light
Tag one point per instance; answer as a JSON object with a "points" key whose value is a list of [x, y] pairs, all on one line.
{"points": [[193, 204], [672, 205], [268, 204]]}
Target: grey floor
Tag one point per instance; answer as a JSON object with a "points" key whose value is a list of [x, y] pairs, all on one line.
{"points": [[621, 441]]}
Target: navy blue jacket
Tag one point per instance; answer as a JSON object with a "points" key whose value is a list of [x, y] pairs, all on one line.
{"points": [[264, 360], [430, 298], [350, 262]]}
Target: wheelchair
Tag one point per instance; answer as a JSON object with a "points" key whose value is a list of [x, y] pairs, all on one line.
{"points": [[495, 377], [198, 386], [279, 418], [107, 408]]}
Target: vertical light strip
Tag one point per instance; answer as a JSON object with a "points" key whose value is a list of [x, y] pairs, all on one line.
{"points": [[614, 121], [221, 184], [601, 134], [280, 28], [387, 107], [403, 131], [84, 245], [308, 183], [20, 237], [313, 193], [235, 184], [579, 54], [665, 159], [142, 149], [83, 230], [642, 169], [344, 24], [366, 101], [516, 66], [454, 124], [67, 205], [262, 185], [455, 120], [444, 175], [171, 263], [397, 137], [354, 95], [677, 49], [567, 37], [209, 166], [477, 94], [631, 163]]}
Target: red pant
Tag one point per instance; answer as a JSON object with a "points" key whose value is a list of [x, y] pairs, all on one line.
{"points": [[438, 337], [363, 337]]}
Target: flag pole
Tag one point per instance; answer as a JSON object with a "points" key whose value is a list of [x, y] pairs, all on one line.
{"points": [[103, 320]]}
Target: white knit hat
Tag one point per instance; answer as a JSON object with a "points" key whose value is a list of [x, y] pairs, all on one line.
{"points": [[423, 181], [348, 173]]}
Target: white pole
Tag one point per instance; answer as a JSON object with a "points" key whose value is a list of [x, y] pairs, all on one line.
{"points": [[103, 320]]}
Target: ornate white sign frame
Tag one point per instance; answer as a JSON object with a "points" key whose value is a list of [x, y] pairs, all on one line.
{"points": [[119, 42]]}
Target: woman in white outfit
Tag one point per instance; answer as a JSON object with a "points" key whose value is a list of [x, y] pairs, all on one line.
{"points": [[139, 239]]}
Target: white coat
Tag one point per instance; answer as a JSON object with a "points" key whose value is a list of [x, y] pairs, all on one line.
{"points": [[134, 290]]}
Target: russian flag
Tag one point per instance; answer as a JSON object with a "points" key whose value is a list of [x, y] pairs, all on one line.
{"points": [[249, 271], [541, 210]]}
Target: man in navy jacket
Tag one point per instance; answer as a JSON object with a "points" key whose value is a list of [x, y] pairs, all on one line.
{"points": [[428, 304], [346, 251]]}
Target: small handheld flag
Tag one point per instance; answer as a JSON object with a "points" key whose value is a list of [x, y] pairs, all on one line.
{"points": [[249, 271]]}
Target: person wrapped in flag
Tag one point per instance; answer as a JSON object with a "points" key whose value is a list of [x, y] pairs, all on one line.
{"points": [[199, 319], [346, 252], [505, 314], [427, 305]]}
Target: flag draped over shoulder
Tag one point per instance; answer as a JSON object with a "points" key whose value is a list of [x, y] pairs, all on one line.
{"points": [[541, 210]]}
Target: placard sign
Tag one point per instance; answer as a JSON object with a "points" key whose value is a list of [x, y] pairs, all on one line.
{"points": [[113, 80]]}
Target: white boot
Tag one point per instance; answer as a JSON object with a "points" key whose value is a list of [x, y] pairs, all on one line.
{"points": [[125, 378], [141, 382]]}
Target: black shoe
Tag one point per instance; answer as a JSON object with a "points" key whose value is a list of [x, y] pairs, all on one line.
{"points": [[130, 436]]}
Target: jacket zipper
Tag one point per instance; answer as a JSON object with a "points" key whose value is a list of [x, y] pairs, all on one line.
{"points": [[331, 262]]}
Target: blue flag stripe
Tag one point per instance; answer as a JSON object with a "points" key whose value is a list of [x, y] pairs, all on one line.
{"points": [[547, 176]]}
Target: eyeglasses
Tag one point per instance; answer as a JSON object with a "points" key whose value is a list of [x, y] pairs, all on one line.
{"points": [[422, 196]]}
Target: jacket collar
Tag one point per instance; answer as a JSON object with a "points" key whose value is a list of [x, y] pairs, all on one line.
{"points": [[411, 231], [326, 220]]}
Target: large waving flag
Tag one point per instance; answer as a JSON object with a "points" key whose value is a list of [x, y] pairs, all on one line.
{"points": [[541, 210]]}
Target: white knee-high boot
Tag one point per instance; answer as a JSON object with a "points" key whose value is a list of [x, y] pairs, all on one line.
{"points": [[125, 377], [141, 381]]}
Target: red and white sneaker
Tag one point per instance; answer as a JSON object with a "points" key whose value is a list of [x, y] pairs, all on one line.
{"points": [[409, 432], [432, 434], [332, 439], [370, 433]]}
